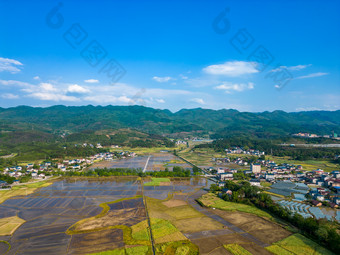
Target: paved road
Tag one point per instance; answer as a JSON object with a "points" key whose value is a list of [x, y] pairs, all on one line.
{"points": [[146, 164]]}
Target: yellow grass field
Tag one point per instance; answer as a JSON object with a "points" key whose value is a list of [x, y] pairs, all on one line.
{"points": [[22, 190], [236, 249], [135, 250], [142, 150], [308, 165], [299, 245], [181, 216], [157, 181], [200, 156], [211, 200], [9, 225]]}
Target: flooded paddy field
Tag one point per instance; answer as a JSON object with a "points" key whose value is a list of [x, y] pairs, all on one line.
{"points": [[153, 162], [94, 215], [67, 217], [52, 210]]}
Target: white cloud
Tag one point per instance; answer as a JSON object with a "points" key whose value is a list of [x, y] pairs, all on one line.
{"points": [[162, 79], [48, 96], [232, 68], [305, 109], [36, 78], [15, 83], [47, 92], [125, 94], [109, 99], [91, 81], [47, 87], [183, 77], [75, 88], [9, 96], [291, 68], [197, 100], [239, 87], [311, 75], [9, 65]]}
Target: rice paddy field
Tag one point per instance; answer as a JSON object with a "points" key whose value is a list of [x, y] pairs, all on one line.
{"points": [[133, 215], [143, 150], [20, 190], [93, 216], [152, 162], [297, 244], [200, 157], [308, 165]]}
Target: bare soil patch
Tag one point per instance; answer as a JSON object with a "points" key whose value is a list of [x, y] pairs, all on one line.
{"points": [[206, 245], [164, 183], [193, 225], [174, 202], [264, 230], [233, 238], [116, 217], [96, 241], [220, 251]]}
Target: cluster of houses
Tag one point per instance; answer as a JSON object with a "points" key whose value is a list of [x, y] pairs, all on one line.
{"points": [[42, 171], [238, 161], [239, 150], [319, 195], [20, 171], [98, 145], [308, 135], [325, 186], [181, 142]]}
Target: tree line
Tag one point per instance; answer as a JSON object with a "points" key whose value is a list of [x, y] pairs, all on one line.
{"points": [[102, 172], [272, 147]]}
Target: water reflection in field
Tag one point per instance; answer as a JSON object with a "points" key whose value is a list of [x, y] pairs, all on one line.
{"points": [[50, 211]]}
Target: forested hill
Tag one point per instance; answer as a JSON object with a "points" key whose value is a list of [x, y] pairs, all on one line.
{"points": [[59, 118]]}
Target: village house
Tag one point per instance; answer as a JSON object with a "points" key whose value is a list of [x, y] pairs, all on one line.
{"points": [[255, 168], [226, 176], [255, 182]]}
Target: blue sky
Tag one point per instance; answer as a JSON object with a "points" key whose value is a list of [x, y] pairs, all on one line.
{"points": [[245, 55]]}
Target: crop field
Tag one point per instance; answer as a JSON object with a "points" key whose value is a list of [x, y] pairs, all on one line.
{"points": [[102, 216], [54, 216], [143, 150], [152, 162], [8, 225], [157, 182], [200, 157], [159, 161], [261, 227], [22, 190], [297, 244], [236, 249], [308, 165], [211, 200], [135, 162]]}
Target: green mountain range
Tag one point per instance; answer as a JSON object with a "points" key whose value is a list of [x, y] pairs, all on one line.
{"points": [[60, 120]]}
